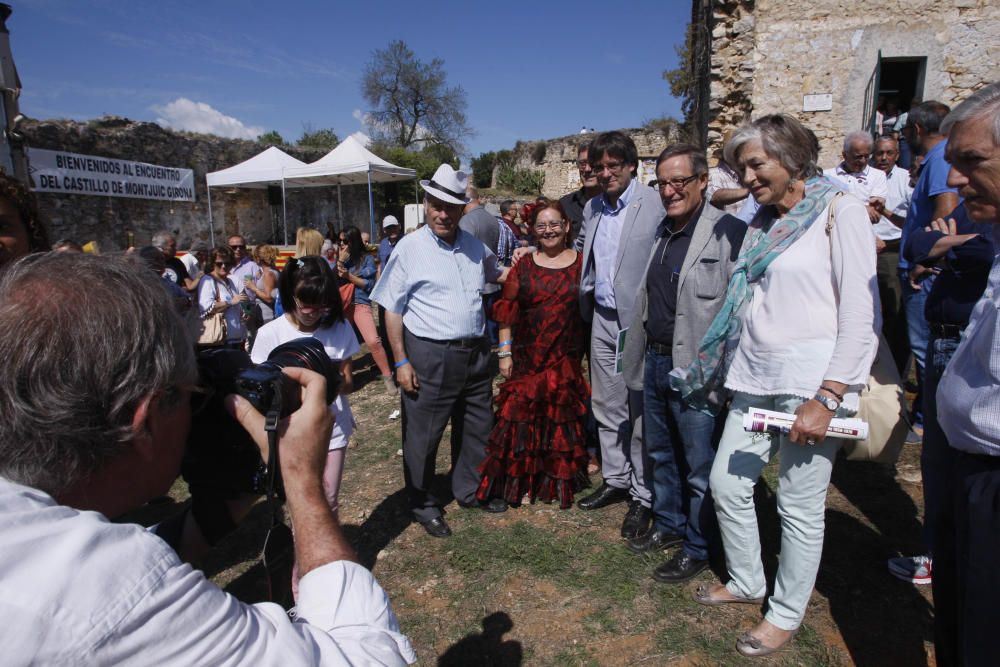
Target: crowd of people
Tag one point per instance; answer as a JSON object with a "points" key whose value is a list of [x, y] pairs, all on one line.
{"points": [[762, 282]]}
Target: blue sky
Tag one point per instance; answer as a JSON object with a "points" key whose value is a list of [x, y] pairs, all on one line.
{"points": [[531, 70]]}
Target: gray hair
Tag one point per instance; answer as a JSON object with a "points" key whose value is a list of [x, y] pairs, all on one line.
{"points": [[160, 238], [856, 136], [783, 138], [77, 366], [983, 102]]}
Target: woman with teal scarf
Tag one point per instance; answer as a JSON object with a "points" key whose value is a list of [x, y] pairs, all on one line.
{"points": [[797, 335]]}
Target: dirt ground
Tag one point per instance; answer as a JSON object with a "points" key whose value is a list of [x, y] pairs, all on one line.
{"points": [[540, 586]]}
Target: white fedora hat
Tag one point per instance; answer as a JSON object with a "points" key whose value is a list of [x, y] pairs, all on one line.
{"points": [[447, 185], [389, 221]]}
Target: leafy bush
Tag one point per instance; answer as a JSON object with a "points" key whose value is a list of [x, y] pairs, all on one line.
{"points": [[520, 181]]}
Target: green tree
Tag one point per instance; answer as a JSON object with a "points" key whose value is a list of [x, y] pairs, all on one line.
{"points": [[411, 102], [325, 139], [682, 80], [482, 169], [392, 197], [271, 138]]}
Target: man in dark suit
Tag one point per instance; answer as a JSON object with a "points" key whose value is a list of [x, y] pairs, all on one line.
{"points": [[689, 266], [618, 229]]}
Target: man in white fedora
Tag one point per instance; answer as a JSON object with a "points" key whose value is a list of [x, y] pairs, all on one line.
{"points": [[431, 289]]}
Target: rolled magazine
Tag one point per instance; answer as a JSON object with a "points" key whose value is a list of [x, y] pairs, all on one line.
{"points": [[758, 420]]}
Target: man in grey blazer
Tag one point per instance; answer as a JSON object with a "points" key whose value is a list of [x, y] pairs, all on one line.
{"points": [[617, 230], [684, 286]]}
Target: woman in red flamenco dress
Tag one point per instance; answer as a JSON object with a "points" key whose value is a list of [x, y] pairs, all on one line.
{"points": [[537, 447]]}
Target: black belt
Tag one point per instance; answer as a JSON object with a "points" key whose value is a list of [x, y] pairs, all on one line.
{"points": [[942, 330], [463, 343], [891, 245], [660, 349]]}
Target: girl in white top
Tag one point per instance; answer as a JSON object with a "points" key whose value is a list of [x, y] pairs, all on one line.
{"points": [[217, 293], [805, 306], [311, 299]]}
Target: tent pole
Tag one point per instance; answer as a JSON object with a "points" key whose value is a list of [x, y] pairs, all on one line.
{"points": [[371, 206], [340, 210], [284, 211], [211, 224]]}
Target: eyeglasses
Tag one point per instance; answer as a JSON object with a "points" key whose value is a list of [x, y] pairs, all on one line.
{"points": [[613, 167], [224, 265], [676, 183], [554, 225], [238, 247], [306, 309]]}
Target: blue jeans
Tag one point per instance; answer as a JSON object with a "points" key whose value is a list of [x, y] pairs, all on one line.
{"points": [[936, 455], [917, 333], [679, 444]]}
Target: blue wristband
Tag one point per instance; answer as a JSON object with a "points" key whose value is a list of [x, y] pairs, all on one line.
{"points": [[505, 343], [401, 363]]}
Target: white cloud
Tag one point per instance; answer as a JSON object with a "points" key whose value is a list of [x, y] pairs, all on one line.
{"points": [[185, 114], [363, 138]]}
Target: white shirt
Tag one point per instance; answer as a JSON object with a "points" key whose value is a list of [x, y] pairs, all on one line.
{"points": [[897, 201], [339, 342], [605, 249], [723, 178], [968, 395], [436, 287], [76, 589], [193, 267], [797, 331], [239, 274], [865, 184], [207, 287]]}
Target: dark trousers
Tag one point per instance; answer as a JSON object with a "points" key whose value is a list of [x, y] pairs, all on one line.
{"points": [[890, 293], [384, 337], [680, 445], [936, 457], [492, 328], [918, 333], [455, 385], [966, 577]]}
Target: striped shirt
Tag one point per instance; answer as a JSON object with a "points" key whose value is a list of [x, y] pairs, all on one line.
{"points": [[438, 287], [968, 396]]}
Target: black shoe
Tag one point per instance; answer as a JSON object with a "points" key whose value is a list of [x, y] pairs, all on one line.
{"points": [[493, 505], [604, 496], [637, 520], [437, 527], [679, 569], [653, 540]]}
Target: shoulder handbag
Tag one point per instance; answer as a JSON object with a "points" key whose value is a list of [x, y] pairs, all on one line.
{"points": [[213, 325], [882, 404]]}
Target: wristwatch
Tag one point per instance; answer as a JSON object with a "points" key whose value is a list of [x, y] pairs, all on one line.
{"points": [[830, 404]]}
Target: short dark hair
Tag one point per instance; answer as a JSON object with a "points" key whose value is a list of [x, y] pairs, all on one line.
{"points": [[929, 116], [616, 144], [699, 163], [220, 253], [311, 280], [506, 205]]}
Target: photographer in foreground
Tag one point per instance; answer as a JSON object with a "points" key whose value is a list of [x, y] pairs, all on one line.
{"points": [[94, 414]]}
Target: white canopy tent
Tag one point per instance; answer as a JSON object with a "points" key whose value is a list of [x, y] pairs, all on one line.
{"points": [[350, 163], [260, 171]]}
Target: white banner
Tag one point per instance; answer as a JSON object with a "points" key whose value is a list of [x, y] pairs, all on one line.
{"points": [[72, 173]]}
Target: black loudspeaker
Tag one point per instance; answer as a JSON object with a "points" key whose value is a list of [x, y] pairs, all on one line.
{"points": [[274, 195]]}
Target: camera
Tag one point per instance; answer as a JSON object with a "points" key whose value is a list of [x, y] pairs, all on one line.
{"points": [[221, 460]]}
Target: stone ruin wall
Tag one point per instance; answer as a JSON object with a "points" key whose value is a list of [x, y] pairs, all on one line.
{"points": [[559, 161], [108, 220], [767, 54]]}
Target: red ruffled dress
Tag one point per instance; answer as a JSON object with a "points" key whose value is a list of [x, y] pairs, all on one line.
{"points": [[537, 446]]}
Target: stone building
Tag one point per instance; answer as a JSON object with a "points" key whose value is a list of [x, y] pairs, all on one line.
{"points": [[556, 158], [830, 63], [114, 221]]}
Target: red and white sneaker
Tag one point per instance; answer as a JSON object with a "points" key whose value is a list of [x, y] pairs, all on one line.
{"points": [[915, 569]]}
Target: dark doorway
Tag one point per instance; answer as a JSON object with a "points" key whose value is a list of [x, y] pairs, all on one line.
{"points": [[901, 80]]}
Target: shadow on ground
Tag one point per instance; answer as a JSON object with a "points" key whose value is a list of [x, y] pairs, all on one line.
{"points": [[486, 648]]}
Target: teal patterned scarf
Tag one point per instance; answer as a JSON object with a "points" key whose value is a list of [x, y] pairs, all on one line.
{"points": [[701, 383]]}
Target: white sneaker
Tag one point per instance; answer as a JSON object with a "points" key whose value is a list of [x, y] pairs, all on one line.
{"points": [[915, 569], [394, 414]]}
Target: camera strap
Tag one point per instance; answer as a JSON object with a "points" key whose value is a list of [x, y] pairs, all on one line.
{"points": [[278, 554]]}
